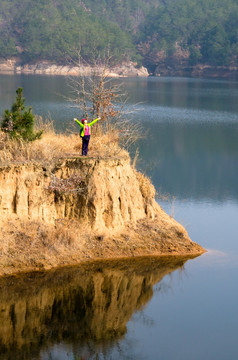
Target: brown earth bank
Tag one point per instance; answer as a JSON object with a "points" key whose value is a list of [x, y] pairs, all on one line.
{"points": [[82, 208]]}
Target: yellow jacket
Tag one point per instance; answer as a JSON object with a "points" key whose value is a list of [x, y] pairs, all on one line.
{"points": [[83, 126]]}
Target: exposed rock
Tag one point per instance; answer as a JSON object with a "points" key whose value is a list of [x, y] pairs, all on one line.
{"points": [[109, 197], [113, 207], [126, 69]]}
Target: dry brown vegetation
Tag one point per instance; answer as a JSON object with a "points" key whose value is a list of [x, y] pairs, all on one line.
{"points": [[32, 245], [53, 146], [27, 245], [146, 187]]}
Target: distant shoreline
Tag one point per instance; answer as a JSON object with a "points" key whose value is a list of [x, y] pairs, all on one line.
{"points": [[126, 69], [226, 72]]}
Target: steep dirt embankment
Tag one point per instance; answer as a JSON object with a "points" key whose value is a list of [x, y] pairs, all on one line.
{"points": [[79, 209], [106, 197]]}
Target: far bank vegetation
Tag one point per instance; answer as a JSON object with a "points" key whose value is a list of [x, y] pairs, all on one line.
{"points": [[149, 32]]}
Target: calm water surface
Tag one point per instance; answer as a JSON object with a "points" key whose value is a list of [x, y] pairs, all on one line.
{"points": [[185, 310]]}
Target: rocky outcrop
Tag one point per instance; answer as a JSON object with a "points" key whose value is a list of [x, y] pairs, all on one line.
{"points": [[82, 208], [106, 196], [126, 69]]}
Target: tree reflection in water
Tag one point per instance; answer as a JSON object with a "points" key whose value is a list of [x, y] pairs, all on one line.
{"points": [[77, 312]]}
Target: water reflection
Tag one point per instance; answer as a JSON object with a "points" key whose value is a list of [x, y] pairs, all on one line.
{"points": [[82, 307]]}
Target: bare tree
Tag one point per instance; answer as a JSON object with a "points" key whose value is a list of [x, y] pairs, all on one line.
{"points": [[96, 94]]}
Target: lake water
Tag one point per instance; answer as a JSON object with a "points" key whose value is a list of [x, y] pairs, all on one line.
{"points": [[144, 310]]}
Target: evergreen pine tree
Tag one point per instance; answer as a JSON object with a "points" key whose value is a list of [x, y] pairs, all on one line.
{"points": [[19, 122]]}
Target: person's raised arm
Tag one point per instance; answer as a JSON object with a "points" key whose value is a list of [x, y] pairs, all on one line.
{"points": [[93, 122], [77, 121]]}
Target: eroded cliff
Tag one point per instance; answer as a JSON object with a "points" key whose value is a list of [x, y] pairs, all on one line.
{"points": [[82, 208], [106, 196]]}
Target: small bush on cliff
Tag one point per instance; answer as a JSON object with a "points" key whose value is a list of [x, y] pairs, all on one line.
{"points": [[72, 184], [19, 122]]}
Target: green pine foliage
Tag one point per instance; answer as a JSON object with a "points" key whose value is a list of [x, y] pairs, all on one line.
{"points": [[207, 28], [19, 122], [52, 29]]}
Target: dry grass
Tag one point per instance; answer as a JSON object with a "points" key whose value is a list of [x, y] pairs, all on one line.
{"points": [[27, 245], [18, 233], [54, 146], [30, 245], [51, 146], [146, 187], [106, 145]]}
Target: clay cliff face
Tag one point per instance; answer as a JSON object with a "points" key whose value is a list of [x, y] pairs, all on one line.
{"points": [[80, 209], [107, 196]]}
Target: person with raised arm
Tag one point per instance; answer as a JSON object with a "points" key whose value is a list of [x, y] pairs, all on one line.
{"points": [[85, 133]]}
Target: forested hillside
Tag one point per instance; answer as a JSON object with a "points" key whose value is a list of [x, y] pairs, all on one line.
{"points": [[147, 31], [207, 30]]}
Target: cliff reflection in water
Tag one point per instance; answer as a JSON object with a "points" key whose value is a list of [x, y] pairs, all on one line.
{"points": [[92, 303]]}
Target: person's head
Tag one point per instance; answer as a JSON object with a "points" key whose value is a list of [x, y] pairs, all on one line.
{"points": [[84, 121]]}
